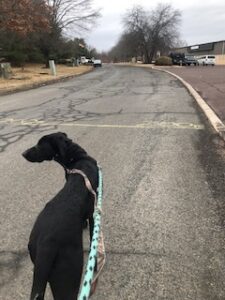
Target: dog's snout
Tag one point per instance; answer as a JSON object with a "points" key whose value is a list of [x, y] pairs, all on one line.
{"points": [[25, 153], [30, 154]]}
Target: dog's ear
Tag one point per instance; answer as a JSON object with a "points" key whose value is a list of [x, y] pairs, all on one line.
{"points": [[61, 143], [63, 133]]}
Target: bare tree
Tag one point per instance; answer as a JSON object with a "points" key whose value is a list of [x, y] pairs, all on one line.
{"points": [[164, 28], [152, 31], [73, 14], [25, 16], [66, 15]]}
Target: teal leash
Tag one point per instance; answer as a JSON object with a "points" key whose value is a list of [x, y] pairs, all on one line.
{"points": [[97, 251]]}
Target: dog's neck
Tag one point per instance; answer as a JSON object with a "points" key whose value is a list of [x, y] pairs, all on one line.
{"points": [[72, 156]]}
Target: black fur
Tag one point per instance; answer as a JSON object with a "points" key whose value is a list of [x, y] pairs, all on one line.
{"points": [[55, 244]]}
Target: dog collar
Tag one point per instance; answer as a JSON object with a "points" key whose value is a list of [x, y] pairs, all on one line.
{"points": [[86, 180]]}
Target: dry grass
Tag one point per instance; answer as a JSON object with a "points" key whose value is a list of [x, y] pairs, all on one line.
{"points": [[37, 74]]}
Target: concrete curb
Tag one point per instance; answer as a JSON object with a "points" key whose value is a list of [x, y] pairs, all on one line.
{"points": [[214, 120], [30, 86]]}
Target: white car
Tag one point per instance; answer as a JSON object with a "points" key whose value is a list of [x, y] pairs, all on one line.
{"points": [[207, 60], [97, 63]]}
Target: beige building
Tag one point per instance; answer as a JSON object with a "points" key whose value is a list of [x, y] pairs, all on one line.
{"points": [[214, 48]]}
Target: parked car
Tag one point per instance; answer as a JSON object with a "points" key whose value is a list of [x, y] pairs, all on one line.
{"points": [[89, 61], [97, 63], [177, 58], [190, 60], [207, 60], [83, 59], [182, 59]]}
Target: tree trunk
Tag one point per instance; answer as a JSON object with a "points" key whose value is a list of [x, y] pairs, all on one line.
{"points": [[152, 54], [147, 58]]}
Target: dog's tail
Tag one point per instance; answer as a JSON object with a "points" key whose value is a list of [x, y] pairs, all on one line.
{"points": [[42, 267]]}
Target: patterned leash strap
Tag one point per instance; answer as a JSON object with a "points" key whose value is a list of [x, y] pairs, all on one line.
{"points": [[97, 251], [100, 262]]}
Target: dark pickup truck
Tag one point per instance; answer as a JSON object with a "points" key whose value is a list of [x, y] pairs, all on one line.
{"points": [[183, 60], [177, 58]]}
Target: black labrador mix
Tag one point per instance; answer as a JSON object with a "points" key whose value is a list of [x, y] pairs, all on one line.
{"points": [[55, 244]]}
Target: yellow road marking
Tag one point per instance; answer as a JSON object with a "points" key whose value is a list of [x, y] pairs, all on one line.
{"points": [[145, 125]]}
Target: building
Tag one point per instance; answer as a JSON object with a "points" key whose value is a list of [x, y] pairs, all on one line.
{"points": [[213, 48]]}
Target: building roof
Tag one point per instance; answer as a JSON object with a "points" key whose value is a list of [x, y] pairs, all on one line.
{"points": [[200, 44]]}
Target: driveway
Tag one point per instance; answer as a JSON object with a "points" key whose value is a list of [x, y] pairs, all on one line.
{"points": [[163, 183]]}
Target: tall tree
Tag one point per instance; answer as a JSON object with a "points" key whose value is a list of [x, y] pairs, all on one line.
{"points": [[35, 28], [73, 14], [136, 24], [164, 28], [66, 15], [19, 20], [24, 16], [146, 32]]}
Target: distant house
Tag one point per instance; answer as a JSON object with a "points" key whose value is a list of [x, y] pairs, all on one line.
{"points": [[213, 48]]}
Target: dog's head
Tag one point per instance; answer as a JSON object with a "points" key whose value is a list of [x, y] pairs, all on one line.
{"points": [[49, 147]]}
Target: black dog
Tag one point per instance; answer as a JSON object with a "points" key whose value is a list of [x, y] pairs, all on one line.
{"points": [[55, 244]]}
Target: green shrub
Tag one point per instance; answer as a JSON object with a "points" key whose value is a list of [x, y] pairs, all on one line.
{"points": [[16, 58], [36, 56], [163, 61]]}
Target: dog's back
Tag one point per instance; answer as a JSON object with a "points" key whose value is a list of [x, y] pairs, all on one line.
{"points": [[55, 244]]}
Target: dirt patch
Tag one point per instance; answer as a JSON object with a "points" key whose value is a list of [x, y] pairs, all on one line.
{"points": [[33, 75]]}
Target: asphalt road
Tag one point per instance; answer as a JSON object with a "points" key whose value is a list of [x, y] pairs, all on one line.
{"points": [[208, 81], [163, 183]]}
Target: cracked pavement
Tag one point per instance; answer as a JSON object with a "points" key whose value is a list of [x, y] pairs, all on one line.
{"points": [[164, 186]]}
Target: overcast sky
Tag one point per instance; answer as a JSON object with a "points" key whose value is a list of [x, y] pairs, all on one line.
{"points": [[202, 21]]}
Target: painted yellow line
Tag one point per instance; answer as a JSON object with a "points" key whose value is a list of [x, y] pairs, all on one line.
{"points": [[145, 125]]}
